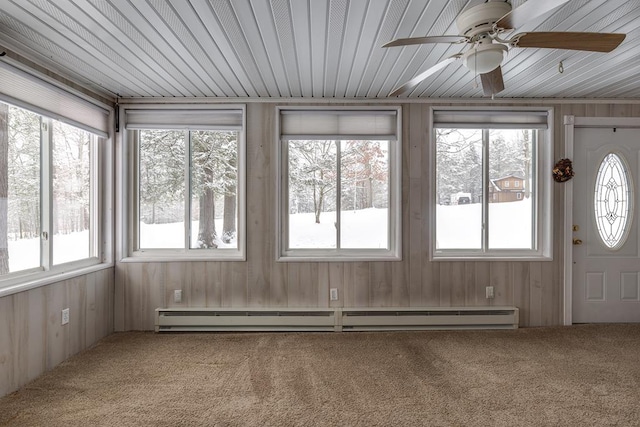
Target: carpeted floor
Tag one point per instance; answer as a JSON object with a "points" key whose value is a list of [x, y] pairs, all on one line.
{"points": [[571, 376]]}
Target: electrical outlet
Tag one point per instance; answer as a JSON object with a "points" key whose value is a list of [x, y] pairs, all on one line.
{"points": [[65, 316], [489, 292], [333, 293], [177, 296]]}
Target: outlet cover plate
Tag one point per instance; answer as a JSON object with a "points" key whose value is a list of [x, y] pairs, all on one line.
{"points": [[489, 292], [177, 296], [65, 316], [333, 294]]}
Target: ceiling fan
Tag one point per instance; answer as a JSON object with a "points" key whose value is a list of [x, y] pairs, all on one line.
{"points": [[482, 27]]}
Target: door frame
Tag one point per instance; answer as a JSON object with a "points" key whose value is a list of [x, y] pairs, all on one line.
{"points": [[570, 123]]}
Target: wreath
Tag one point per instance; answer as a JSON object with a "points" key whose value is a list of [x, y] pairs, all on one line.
{"points": [[563, 170]]}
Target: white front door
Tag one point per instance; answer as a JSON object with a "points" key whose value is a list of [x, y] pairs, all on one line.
{"points": [[606, 261]]}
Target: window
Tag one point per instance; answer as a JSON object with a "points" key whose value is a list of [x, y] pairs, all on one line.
{"points": [[187, 193], [49, 186], [54, 151], [516, 184], [474, 151], [339, 194], [611, 203]]}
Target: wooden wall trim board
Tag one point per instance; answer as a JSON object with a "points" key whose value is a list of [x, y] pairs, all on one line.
{"points": [[32, 339], [536, 288]]}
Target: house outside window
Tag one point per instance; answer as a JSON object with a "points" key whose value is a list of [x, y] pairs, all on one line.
{"points": [[187, 192], [496, 156], [339, 194]]}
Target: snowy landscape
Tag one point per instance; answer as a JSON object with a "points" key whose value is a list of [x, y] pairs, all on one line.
{"points": [[458, 227]]}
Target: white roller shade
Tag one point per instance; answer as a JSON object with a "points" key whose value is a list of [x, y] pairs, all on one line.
{"points": [[31, 93], [196, 119], [490, 119], [339, 124]]}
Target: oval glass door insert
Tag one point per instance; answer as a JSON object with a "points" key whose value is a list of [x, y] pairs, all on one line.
{"points": [[612, 201]]}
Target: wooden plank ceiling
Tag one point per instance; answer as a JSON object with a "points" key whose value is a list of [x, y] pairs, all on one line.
{"points": [[305, 48]]}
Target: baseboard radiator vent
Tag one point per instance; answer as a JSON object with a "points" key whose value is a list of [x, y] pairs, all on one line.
{"points": [[390, 319], [246, 320], [338, 319]]}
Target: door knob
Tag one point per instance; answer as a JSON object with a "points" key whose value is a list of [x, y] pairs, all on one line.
{"points": [[577, 241]]}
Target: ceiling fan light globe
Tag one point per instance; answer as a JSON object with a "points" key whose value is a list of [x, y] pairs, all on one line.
{"points": [[484, 58]]}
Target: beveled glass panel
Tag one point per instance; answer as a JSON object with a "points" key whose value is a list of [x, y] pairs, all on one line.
{"points": [[612, 201]]}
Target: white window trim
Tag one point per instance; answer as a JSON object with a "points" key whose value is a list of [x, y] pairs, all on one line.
{"points": [[544, 209], [102, 223], [125, 246], [395, 201]]}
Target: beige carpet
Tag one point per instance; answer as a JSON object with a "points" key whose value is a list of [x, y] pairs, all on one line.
{"points": [[583, 375]]}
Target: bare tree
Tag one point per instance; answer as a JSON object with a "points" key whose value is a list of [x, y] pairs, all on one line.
{"points": [[4, 188]]}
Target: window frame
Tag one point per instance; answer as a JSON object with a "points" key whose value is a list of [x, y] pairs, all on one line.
{"points": [[394, 252], [127, 237], [542, 226], [101, 220]]}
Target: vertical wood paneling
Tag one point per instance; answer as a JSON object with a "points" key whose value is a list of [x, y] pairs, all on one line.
{"points": [[430, 283], [56, 333], [535, 294], [7, 333], [90, 314], [470, 284], [32, 338], [336, 280], [458, 284], [445, 283], [520, 283], [499, 273], [260, 237], [534, 287], [34, 326], [381, 286], [198, 296], [235, 279], [76, 302], [153, 274], [413, 148], [483, 279], [213, 285], [134, 293], [119, 303], [176, 277]]}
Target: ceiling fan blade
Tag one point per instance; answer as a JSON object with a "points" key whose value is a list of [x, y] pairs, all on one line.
{"points": [[420, 77], [492, 82], [528, 11], [425, 40], [593, 42]]}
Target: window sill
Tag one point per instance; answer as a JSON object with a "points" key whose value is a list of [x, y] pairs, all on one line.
{"points": [[36, 280], [182, 257], [355, 257], [491, 257]]}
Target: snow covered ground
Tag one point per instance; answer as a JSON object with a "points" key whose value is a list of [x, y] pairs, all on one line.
{"points": [[25, 254], [458, 227], [365, 228]]}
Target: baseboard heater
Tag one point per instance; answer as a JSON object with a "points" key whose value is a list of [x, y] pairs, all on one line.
{"points": [[338, 319]]}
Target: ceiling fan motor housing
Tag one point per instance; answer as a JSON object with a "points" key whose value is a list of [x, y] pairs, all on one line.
{"points": [[484, 57], [480, 19]]}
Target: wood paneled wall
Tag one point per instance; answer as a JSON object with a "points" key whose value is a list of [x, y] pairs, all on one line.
{"points": [[32, 338], [534, 287]]}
